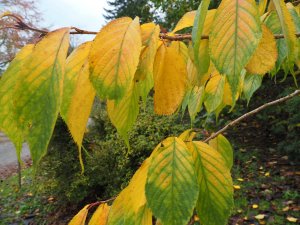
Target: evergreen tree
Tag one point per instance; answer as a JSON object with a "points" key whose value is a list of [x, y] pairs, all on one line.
{"points": [[131, 8]]}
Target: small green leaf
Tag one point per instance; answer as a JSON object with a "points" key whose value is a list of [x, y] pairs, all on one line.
{"points": [[251, 83]]}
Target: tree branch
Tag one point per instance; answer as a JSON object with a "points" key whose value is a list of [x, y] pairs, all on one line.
{"points": [[21, 25], [100, 202], [248, 114]]}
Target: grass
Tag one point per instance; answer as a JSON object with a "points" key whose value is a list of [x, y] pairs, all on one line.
{"points": [[25, 205], [268, 186]]}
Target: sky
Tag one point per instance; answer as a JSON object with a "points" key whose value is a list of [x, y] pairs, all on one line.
{"points": [[84, 14]]}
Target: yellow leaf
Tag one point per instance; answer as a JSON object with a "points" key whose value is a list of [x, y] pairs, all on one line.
{"points": [[240, 179], [234, 36], [237, 187], [100, 216], [285, 209], [292, 219], [114, 57], [170, 78], [267, 174], [80, 217], [150, 33], [186, 21], [79, 95], [262, 6], [265, 56], [187, 135], [260, 216], [130, 205], [254, 206]]}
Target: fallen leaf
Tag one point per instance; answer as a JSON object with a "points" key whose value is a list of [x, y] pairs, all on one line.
{"points": [[254, 206], [292, 219], [267, 174], [260, 216], [240, 179], [237, 187], [285, 209]]}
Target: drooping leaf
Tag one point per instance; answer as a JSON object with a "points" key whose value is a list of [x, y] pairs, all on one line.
{"points": [[214, 91], [79, 95], [265, 56], [223, 146], [216, 190], [130, 206], [100, 215], [171, 188], [201, 55], [8, 123], [123, 114], [80, 217], [288, 29], [186, 21], [38, 92], [251, 84], [144, 73], [170, 78], [234, 36], [273, 23], [114, 57], [187, 135], [182, 50], [195, 101]]}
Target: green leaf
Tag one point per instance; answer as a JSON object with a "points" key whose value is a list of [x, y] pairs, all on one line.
{"points": [[223, 146], [201, 58], [8, 122], [195, 101], [216, 190], [234, 36], [171, 188], [38, 92], [251, 83]]}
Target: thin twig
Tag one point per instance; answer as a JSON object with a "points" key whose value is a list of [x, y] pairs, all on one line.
{"points": [[248, 114], [100, 202], [21, 25]]}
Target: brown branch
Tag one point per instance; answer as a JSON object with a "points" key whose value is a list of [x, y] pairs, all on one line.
{"points": [[21, 25], [100, 202], [248, 114]]}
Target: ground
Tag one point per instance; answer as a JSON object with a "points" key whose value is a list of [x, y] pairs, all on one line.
{"points": [[266, 191]]}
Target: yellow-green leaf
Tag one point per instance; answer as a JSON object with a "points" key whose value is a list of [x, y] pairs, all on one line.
{"points": [[80, 217], [170, 76], [214, 91], [265, 56], [123, 114], [234, 36], [251, 84], [288, 29], [171, 188], [130, 206], [38, 93], [100, 215], [215, 185], [186, 21], [8, 123], [114, 57], [223, 146]]}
